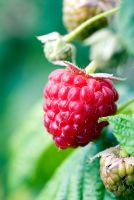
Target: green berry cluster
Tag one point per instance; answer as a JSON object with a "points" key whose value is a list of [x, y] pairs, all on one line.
{"points": [[75, 13], [58, 50], [117, 172]]}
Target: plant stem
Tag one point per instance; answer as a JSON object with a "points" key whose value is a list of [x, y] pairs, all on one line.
{"points": [[91, 68], [71, 36], [125, 105]]}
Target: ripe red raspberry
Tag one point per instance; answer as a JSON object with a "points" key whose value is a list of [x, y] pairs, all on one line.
{"points": [[74, 101]]}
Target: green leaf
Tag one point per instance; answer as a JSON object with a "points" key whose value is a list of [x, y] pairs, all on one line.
{"points": [[26, 145], [123, 130], [77, 178], [32, 151], [125, 24], [1, 190]]}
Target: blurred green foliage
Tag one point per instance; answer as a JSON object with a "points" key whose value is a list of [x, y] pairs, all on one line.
{"points": [[28, 158], [23, 72]]}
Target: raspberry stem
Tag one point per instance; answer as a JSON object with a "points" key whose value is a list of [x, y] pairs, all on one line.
{"points": [[125, 105], [71, 36], [91, 68]]}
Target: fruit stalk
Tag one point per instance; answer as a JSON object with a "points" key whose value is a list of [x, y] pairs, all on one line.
{"points": [[125, 105], [91, 67], [71, 36]]}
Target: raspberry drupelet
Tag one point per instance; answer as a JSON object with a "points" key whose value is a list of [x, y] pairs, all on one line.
{"points": [[117, 172], [74, 101]]}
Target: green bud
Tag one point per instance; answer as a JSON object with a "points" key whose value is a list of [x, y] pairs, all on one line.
{"points": [[118, 193], [115, 177], [122, 170], [114, 187], [110, 181], [129, 169], [121, 188], [101, 161], [57, 50], [130, 179], [117, 172], [114, 170], [123, 153]]}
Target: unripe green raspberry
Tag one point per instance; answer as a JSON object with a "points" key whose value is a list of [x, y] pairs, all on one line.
{"points": [[75, 12], [117, 172], [122, 169], [57, 50], [129, 169]]}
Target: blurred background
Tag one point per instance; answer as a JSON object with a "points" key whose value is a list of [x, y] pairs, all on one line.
{"points": [[27, 156], [23, 74]]}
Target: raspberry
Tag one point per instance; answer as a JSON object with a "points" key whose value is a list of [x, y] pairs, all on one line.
{"points": [[55, 48], [58, 50], [74, 15], [117, 172], [74, 101]]}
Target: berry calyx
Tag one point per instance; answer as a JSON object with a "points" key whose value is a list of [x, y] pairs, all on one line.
{"points": [[74, 101], [117, 171]]}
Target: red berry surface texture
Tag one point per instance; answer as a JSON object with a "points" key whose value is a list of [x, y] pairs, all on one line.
{"points": [[74, 101]]}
